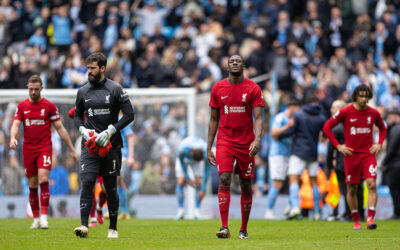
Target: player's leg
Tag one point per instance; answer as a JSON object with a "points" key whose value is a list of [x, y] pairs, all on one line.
{"points": [[352, 201], [198, 197], [246, 200], [278, 171], [43, 175], [225, 160], [372, 200], [93, 220], [296, 168], [33, 183], [179, 190], [123, 199], [110, 183], [88, 180], [352, 169], [313, 171]]}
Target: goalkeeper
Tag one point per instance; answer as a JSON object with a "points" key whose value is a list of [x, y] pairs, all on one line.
{"points": [[100, 101], [192, 152]]}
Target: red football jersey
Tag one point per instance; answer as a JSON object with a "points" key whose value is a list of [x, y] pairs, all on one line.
{"points": [[37, 118], [235, 103], [358, 127]]}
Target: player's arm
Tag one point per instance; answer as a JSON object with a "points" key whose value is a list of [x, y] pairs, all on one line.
{"points": [[327, 128], [131, 150], [13, 133], [212, 131], [382, 135], [79, 111], [289, 131], [255, 145], [277, 131], [65, 137]]}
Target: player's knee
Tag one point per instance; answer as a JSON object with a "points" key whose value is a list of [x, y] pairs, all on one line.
{"points": [[225, 179], [371, 186], [352, 191]]}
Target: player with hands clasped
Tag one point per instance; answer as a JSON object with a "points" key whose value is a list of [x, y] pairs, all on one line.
{"points": [[359, 151], [37, 114], [233, 103], [100, 101], [192, 153]]}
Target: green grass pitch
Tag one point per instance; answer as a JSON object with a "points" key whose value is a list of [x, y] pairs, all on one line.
{"points": [[190, 234]]}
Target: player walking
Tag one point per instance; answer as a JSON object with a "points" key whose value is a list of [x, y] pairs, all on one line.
{"points": [[358, 120], [100, 101], [233, 101], [192, 153], [37, 114]]}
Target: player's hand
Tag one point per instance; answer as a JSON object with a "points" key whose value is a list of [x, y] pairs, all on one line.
{"points": [[87, 133], [104, 137], [201, 194], [191, 183], [291, 122], [211, 157], [130, 162], [254, 146], [13, 143], [346, 151], [375, 148], [74, 156]]}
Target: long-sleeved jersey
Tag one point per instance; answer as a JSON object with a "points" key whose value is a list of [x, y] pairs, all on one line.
{"points": [[100, 105], [186, 158], [358, 127]]}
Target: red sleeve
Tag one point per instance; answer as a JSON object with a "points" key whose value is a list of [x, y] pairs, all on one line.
{"points": [[382, 128], [18, 112], [53, 114], [257, 97], [331, 123], [71, 112], [213, 99]]}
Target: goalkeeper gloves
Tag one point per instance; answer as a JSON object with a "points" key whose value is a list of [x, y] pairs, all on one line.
{"points": [[104, 137], [86, 133]]}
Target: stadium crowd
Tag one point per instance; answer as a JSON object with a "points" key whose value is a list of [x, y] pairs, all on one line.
{"points": [[326, 48]]}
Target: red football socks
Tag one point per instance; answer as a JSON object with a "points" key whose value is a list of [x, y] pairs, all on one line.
{"points": [[44, 197], [93, 209], [371, 212], [34, 201], [246, 199], [224, 198], [356, 216]]}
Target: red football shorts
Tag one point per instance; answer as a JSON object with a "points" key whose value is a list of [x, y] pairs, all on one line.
{"points": [[36, 160], [226, 156], [359, 165]]}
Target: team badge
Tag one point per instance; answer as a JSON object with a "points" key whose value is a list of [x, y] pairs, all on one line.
{"points": [[244, 97], [369, 120]]}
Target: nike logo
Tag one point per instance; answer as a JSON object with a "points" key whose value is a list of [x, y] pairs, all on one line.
{"points": [[353, 120], [221, 202], [112, 172], [87, 100], [223, 97], [26, 112]]}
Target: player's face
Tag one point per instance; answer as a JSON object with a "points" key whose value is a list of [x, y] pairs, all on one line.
{"points": [[362, 99], [34, 89], [94, 72], [235, 65]]}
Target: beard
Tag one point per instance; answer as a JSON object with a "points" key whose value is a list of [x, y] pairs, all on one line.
{"points": [[94, 79], [236, 73]]}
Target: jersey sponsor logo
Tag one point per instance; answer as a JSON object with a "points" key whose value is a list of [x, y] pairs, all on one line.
{"points": [[336, 114], [92, 112], [369, 120], [353, 120], [244, 97], [38, 122], [223, 97], [354, 131], [107, 99], [372, 170], [42, 112], [241, 109], [26, 112]]}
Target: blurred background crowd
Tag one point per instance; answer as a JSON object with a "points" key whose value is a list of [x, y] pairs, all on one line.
{"points": [[297, 47]]}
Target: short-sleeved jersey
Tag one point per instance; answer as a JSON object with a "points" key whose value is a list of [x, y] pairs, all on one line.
{"points": [[100, 105], [282, 146], [358, 127], [235, 103], [37, 118]]}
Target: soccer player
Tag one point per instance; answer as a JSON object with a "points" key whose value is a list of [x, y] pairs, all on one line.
{"points": [[233, 102], [279, 154], [191, 152], [37, 114], [359, 151], [100, 101]]}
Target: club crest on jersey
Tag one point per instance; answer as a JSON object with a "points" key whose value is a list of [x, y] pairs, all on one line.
{"points": [[108, 99], [244, 97], [42, 112], [369, 119]]}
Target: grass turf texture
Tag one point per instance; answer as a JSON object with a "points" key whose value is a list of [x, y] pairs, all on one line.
{"points": [[156, 233]]}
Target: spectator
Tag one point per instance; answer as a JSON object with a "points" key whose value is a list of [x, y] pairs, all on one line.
{"points": [[58, 179], [11, 176]]}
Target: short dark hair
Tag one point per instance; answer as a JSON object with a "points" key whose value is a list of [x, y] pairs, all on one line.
{"points": [[35, 78], [293, 102], [361, 88], [98, 57], [197, 154], [393, 112], [311, 99]]}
